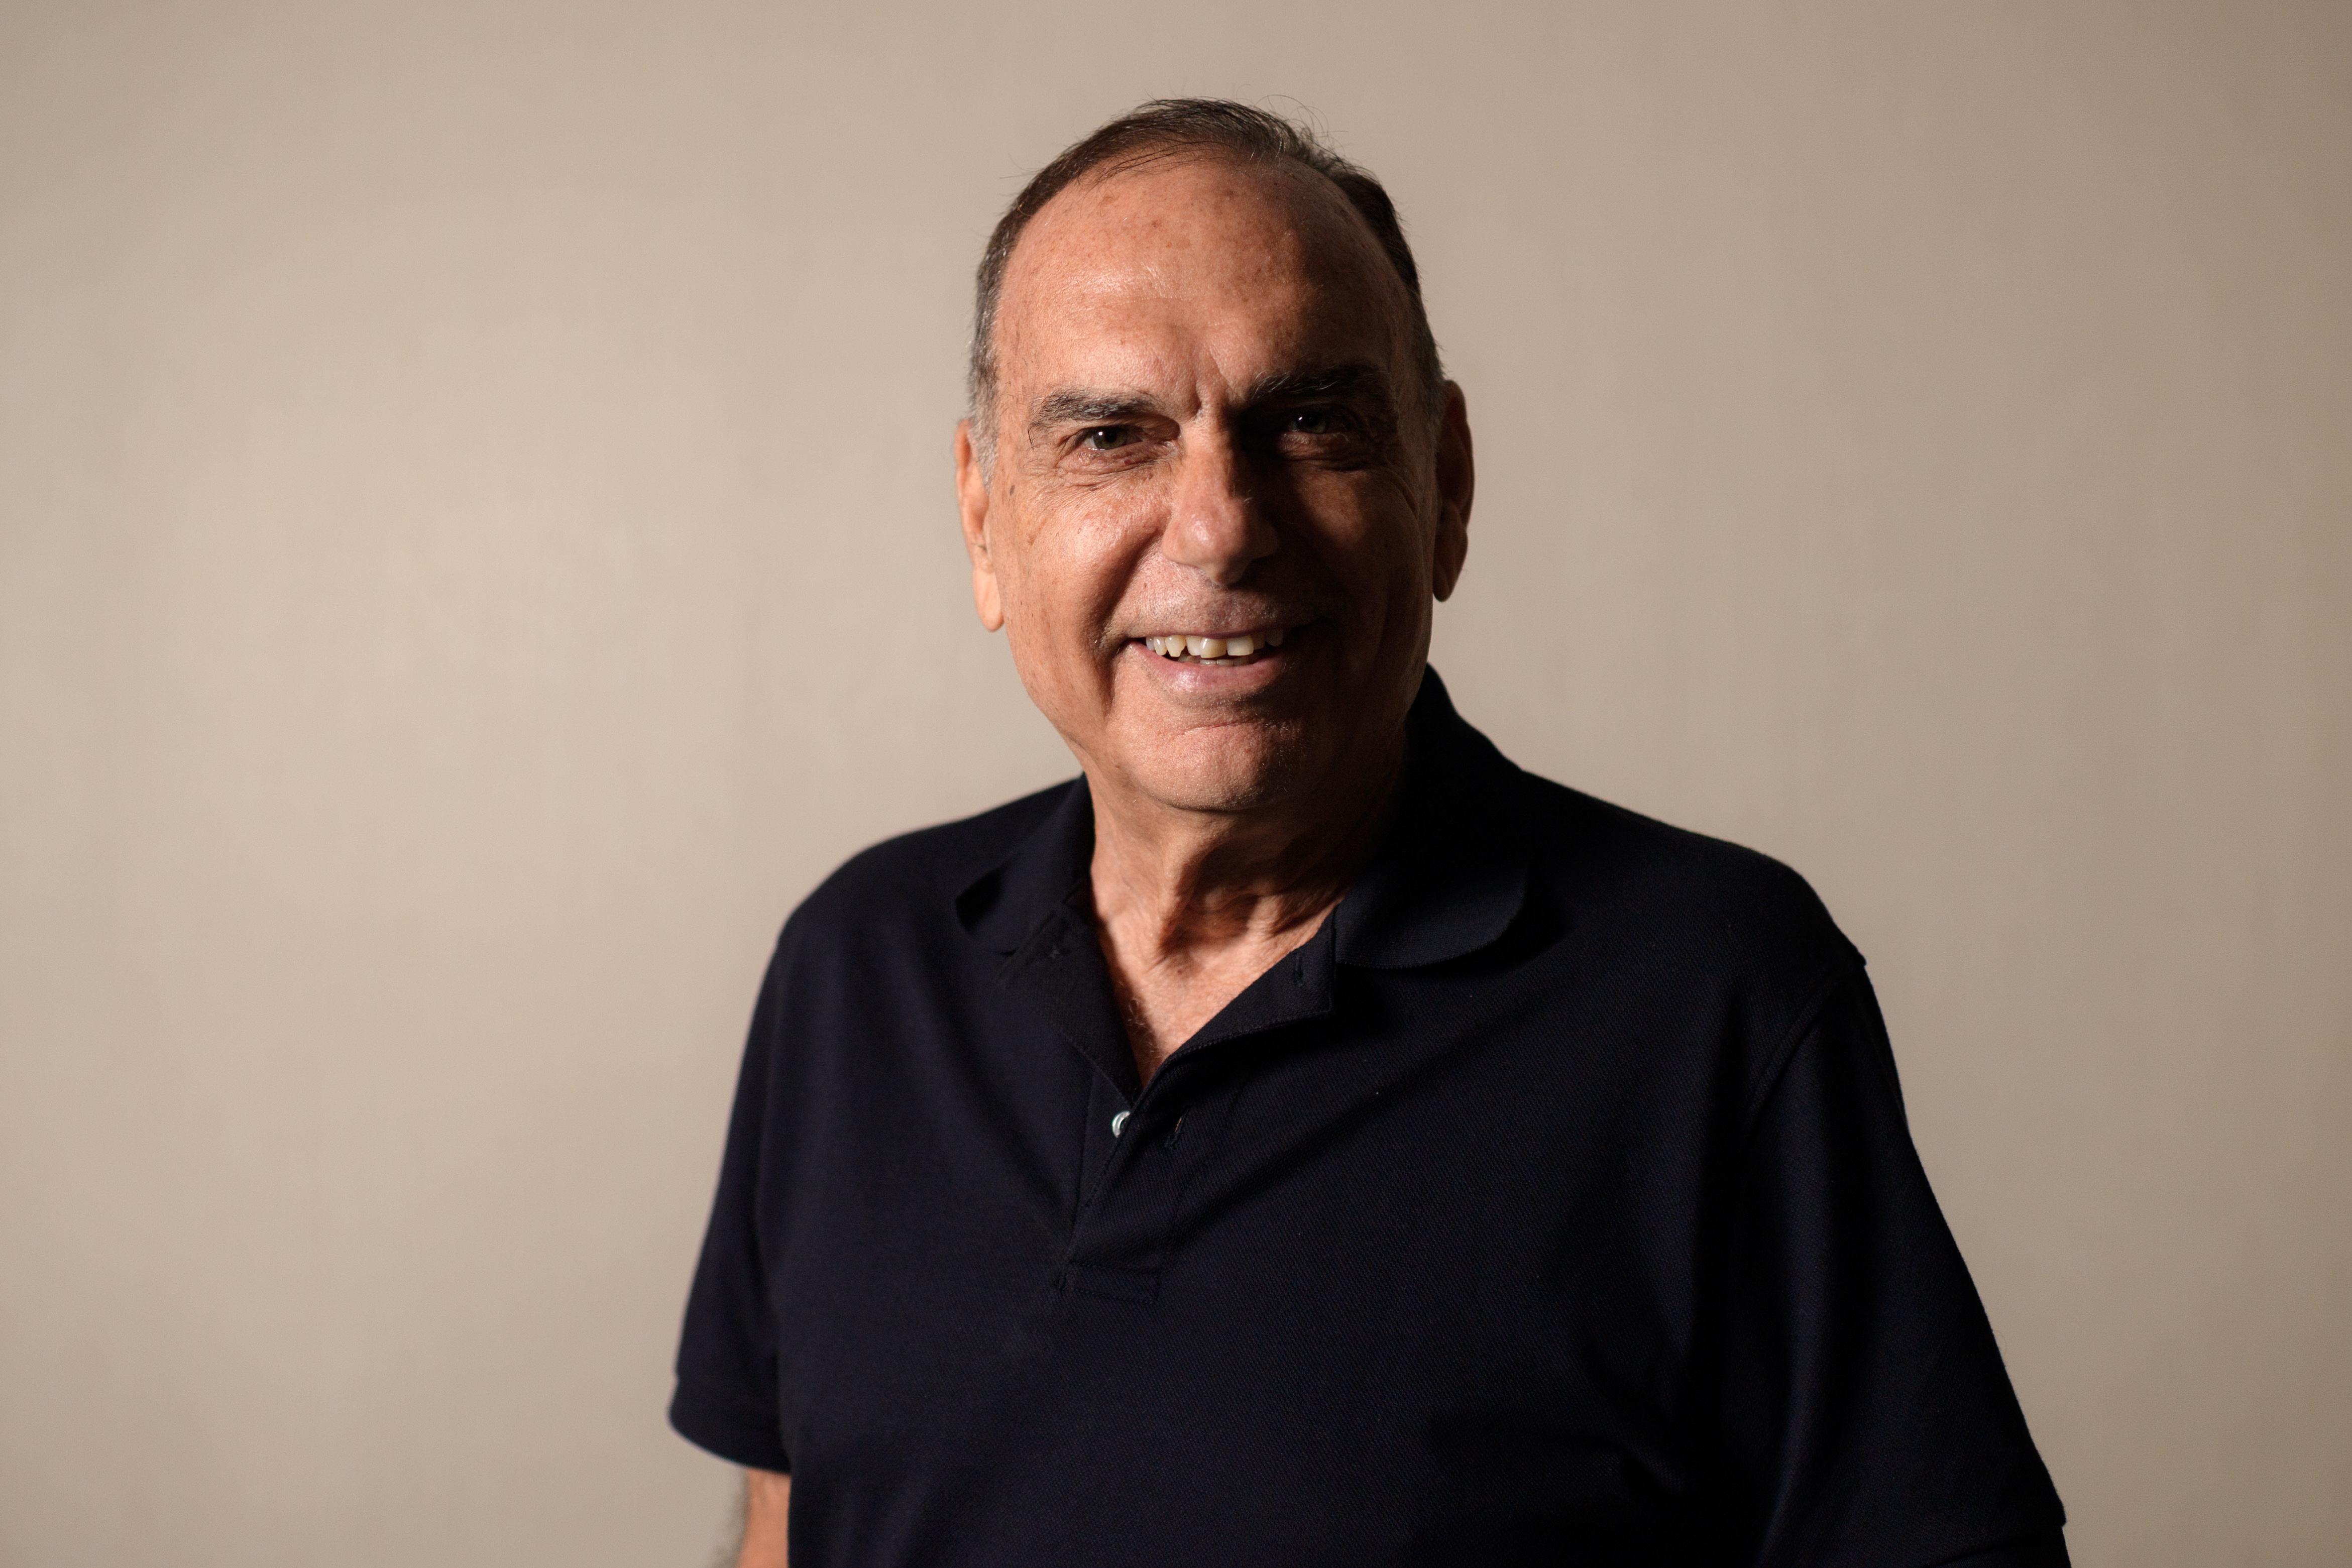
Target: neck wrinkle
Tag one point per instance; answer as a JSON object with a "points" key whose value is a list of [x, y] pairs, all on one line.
{"points": [[1164, 895]]}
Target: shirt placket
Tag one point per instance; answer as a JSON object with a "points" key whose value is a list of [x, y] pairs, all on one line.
{"points": [[1124, 1231], [1143, 1147]]}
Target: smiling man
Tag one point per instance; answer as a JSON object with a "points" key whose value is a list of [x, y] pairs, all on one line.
{"points": [[1305, 1138]]}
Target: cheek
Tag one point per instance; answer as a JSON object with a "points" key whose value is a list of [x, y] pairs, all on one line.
{"points": [[1374, 545], [1060, 587]]}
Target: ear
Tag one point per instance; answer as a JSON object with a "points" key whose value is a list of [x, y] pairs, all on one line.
{"points": [[972, 500], [1458, 477]]}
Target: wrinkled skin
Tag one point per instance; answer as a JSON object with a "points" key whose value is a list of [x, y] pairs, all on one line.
{"points": [[1154, 475]]}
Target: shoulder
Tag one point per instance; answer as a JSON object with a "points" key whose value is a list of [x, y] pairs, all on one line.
{"points": [[1675, 883], [1685, 925], [920, 873], [883, 936], [1633, 890], [1683, 934]]}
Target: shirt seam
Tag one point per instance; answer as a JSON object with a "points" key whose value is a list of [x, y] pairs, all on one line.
{"points": [[1807, 1016]]}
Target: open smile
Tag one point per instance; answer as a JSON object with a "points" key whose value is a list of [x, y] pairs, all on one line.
{"points": [[1244, 648]]}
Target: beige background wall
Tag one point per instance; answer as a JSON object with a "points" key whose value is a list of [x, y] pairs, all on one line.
{"points": [[474, 547]]}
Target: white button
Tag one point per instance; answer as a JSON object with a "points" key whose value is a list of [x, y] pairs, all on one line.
{"points": [[1119, 1124]]}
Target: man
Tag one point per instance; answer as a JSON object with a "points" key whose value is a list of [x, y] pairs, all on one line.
{"points": [[1307, 1138]]}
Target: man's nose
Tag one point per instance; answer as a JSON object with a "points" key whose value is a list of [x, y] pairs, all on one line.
{"points": [[1217, 527]]}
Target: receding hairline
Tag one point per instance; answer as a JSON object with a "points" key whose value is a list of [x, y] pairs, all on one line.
{"points": [[1173, 129], [1367, 256], [1318, 190]]}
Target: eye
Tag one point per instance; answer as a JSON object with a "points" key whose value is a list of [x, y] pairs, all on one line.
{"points": [[1107, 438], [1314, 421]]}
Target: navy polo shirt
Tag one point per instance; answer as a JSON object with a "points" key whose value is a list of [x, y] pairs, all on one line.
{"points": [[1553, 1204]]}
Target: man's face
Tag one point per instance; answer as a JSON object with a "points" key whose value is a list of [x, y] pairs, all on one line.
{"points": [[1210, 427]]}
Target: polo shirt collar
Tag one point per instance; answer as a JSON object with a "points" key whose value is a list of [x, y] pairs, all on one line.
{"points": [[1448, 879], [1451, 870]]}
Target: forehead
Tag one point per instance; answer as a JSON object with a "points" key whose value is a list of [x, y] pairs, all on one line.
{"points": [[1252, 259]]}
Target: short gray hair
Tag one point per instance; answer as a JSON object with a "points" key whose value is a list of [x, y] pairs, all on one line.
{"points": [[1171, 127]]}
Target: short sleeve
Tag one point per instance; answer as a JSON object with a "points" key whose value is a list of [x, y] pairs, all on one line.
{"points": [[726, 1399], [1865, 1415]]}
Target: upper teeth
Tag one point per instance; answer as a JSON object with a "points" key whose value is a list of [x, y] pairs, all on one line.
{"points": [[1214, 648]]}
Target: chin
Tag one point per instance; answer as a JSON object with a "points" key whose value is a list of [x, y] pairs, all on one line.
{"points": [[1226, 771]]}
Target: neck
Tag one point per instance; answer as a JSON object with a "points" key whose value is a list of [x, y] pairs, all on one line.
{"points": [[1191, 905]]}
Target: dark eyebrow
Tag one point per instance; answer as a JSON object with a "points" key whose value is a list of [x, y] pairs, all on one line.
{"points": [[1356, 379], [1087, 408]]}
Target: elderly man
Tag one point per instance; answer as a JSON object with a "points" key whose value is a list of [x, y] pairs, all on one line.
{"points": [[1306, 1138]]}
